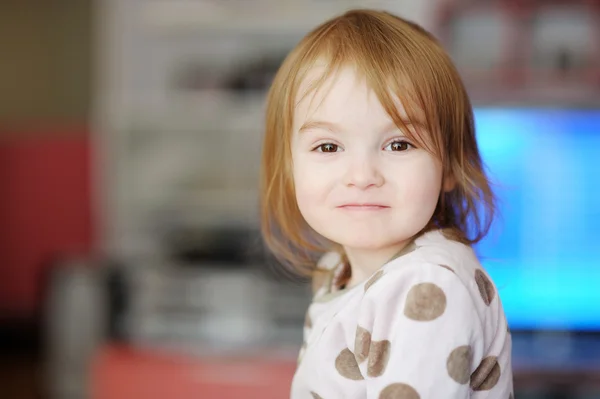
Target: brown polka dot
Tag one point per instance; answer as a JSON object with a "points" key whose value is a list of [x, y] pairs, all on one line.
{"points": [[399, 391], [379, 354], [362, 343], [486, 288], [487, 374], [320, 280], [341, 277], [347, 366], [450, 234], [307, 321], [315, 396], [447, 267], [425, 302], [405, 251], [373, 279], [459, 363]]}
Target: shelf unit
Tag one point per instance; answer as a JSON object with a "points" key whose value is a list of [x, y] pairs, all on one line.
{"points": [[525, 52]]}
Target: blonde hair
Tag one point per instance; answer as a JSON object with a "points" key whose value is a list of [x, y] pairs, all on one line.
{"points": [[399, 60]]}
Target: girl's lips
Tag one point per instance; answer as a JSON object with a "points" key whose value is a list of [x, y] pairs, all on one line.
{"points": [[364, 207]]}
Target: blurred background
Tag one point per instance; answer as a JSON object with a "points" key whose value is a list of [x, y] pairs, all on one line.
{"points": [[130, 260]]}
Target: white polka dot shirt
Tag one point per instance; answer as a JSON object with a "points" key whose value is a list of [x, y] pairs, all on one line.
{"points": [[428, 325]]}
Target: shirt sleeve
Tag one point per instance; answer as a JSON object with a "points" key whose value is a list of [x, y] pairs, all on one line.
{"points": [[418, 335]]}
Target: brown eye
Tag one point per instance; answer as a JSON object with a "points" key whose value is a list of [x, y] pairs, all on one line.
{"points": [[327, 147], [399, 146]]}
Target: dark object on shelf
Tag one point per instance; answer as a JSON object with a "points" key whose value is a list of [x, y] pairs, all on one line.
{"points": [[118, 292], [255, 76], [227, 246]]}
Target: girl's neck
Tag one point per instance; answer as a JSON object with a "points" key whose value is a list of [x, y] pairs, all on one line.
{"points": [[364, 262]]}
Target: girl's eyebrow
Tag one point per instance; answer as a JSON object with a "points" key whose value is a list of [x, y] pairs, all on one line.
{"points": [[332, 127], [336, 129], [407, 122]]}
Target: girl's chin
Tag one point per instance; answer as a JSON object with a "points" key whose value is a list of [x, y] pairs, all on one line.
{"points": [[365, 243]]}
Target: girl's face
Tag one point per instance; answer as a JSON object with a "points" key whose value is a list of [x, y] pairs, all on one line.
{"points": [[359, 181]]}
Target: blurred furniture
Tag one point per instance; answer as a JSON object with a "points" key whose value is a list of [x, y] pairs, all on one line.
{"points": [[110, 326], [525, 51]]}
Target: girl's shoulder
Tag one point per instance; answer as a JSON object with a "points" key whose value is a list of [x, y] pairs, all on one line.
{"points": [[438, 269], [438, 249], [433, 256]]}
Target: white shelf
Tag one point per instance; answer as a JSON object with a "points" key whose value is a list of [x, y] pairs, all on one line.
{"points": [[271, 17]]}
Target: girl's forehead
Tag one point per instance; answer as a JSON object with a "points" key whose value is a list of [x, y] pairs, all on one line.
{"points": [[342, 92], [314, 85], [317, 89]]}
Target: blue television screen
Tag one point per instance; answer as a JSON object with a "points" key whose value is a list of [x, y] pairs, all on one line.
{"points": [[544, 249]]}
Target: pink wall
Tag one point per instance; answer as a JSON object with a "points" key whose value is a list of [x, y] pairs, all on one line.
{"points": [[45, 211]]}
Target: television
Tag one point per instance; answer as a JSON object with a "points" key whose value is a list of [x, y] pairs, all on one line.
{"points": [[543, 251]]}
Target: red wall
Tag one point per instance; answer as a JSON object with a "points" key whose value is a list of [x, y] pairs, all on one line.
{"points": [[45, 211]]}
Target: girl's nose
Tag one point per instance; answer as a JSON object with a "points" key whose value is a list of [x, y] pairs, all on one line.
{"points": [[363, 172]]}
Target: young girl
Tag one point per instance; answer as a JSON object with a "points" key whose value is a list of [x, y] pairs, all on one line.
{"points": [[370, 161]]}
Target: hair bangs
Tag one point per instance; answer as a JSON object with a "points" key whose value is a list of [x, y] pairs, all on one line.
{"points": [[392, 68]]}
